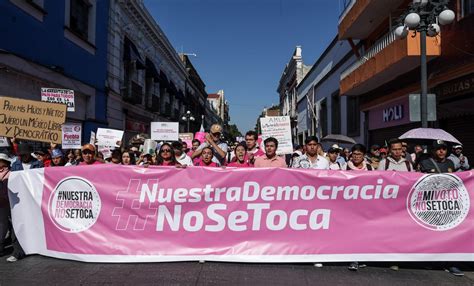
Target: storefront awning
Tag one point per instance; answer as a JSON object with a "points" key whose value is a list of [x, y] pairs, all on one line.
{"points": [[151, 70], [131, 54]]}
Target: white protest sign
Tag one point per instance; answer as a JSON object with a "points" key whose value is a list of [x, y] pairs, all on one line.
{"points": [[166, 131], [57, 95], [279, 128], [4, 142], [72, 136], [105, 150], [92, 140], [109, 137]]}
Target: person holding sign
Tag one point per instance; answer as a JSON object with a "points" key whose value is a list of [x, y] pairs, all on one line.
{"points": [[213, 140], [270, 159]]}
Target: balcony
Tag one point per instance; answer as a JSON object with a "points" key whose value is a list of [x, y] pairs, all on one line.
{"points": [[385, 60], [361, 17]]}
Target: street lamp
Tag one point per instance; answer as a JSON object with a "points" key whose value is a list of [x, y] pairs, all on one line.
{"points": [[423, 16], [188, 117]]}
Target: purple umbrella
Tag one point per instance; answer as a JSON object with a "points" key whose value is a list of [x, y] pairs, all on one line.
{"points": [[430, 134]]}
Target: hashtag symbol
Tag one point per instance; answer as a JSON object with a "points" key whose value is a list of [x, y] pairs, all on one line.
{"points": [[130, 213], [420, 196]]}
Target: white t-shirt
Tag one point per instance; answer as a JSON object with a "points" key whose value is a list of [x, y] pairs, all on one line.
{"points": [[26, 166], [304, 162], [185, 160]]}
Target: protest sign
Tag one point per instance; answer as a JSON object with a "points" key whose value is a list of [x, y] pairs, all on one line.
{"points": [[93, 139], [165, 131], [187, 137], [149, 147], [113, 213], [58, 95], [105, 150], [279, 128], [109, 137], [72, 136], [201, 136], [4, 142], [31, 120]]}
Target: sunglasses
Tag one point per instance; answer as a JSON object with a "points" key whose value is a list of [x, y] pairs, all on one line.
{"points": [[216, 134], [165, 151], [87, 152]]}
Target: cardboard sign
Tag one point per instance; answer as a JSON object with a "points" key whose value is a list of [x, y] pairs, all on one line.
{"points": [[165, 131], [4, 142], [105, 150], [72, 136], [31, 120], [279, 128], [109, 137], [201, 136], [57, 95]]}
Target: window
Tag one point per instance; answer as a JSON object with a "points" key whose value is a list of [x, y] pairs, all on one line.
{"points": [[467, 8], [80, 23], [323, 118], [353, 116], [79, 17], [33, 7], [336, 113]]}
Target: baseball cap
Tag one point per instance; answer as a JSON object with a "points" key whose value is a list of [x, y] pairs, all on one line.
{"points": [[4, 157], [335, 146], [457, 147], [438, 144], [216, 128], [56, 153], [88, 146]]}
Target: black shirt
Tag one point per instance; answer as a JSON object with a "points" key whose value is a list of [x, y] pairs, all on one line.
{"points": [[428, 166]]}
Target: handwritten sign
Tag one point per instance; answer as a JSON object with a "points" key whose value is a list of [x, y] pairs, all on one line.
{"points": [[31, 120], [57, 95], [72, 135], [187, 137], [166, 131], [279, 128]]}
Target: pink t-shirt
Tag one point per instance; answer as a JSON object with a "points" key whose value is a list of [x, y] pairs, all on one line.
{"points": [[201, 164], [239, 165], [263, 162], [85, 164]]}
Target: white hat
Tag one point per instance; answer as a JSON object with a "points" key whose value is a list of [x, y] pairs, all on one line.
{"points": [[4, 157], [457, 147], [335, 146]]}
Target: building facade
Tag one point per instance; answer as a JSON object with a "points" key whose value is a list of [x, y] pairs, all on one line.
{"points": [[387, 70], [293, 74], [220, 106], [57, 44], [321, 109]]}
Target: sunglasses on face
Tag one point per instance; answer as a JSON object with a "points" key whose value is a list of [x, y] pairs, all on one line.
{"points": [[165, 150], [87, 152], [217, 134]]}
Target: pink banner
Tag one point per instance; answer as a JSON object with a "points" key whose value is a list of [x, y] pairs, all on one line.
{"points": [[130, 214]]}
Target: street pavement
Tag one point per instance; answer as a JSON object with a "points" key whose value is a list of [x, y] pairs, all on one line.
{"points": [[40, 270]]}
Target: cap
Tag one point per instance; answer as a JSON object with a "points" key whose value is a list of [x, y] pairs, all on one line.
{"points": [[335, 146], [215, 128], [56, 153], [88, 146], [333, 150], [24, 149], [383, 150], [40, 152], [4, 157], [438, 144], [457, 147]]}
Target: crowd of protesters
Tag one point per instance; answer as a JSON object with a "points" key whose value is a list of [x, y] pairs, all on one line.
{"points": [[214, 152]]}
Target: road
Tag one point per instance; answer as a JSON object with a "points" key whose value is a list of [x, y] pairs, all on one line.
{"points": [[39, 270]]}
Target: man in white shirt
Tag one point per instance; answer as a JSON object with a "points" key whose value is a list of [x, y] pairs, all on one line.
{"points": [[181, 157], [395, 160], [311, 159]]}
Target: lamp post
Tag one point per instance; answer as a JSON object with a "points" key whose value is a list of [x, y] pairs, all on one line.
{"points": [[188, 117], [424, 17]]}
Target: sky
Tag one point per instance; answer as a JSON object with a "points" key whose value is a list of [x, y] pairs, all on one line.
{"points": [[242, 46]]}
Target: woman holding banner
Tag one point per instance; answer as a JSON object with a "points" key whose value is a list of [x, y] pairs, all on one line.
{"points": [[240, 157], [166, 156]]}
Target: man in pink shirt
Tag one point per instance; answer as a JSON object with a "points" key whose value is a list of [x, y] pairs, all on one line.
{"points": [[270, 159], [88, 155]]}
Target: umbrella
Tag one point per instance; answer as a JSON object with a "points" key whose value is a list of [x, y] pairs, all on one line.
{"points": [[339, 138], [429, 134]]}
